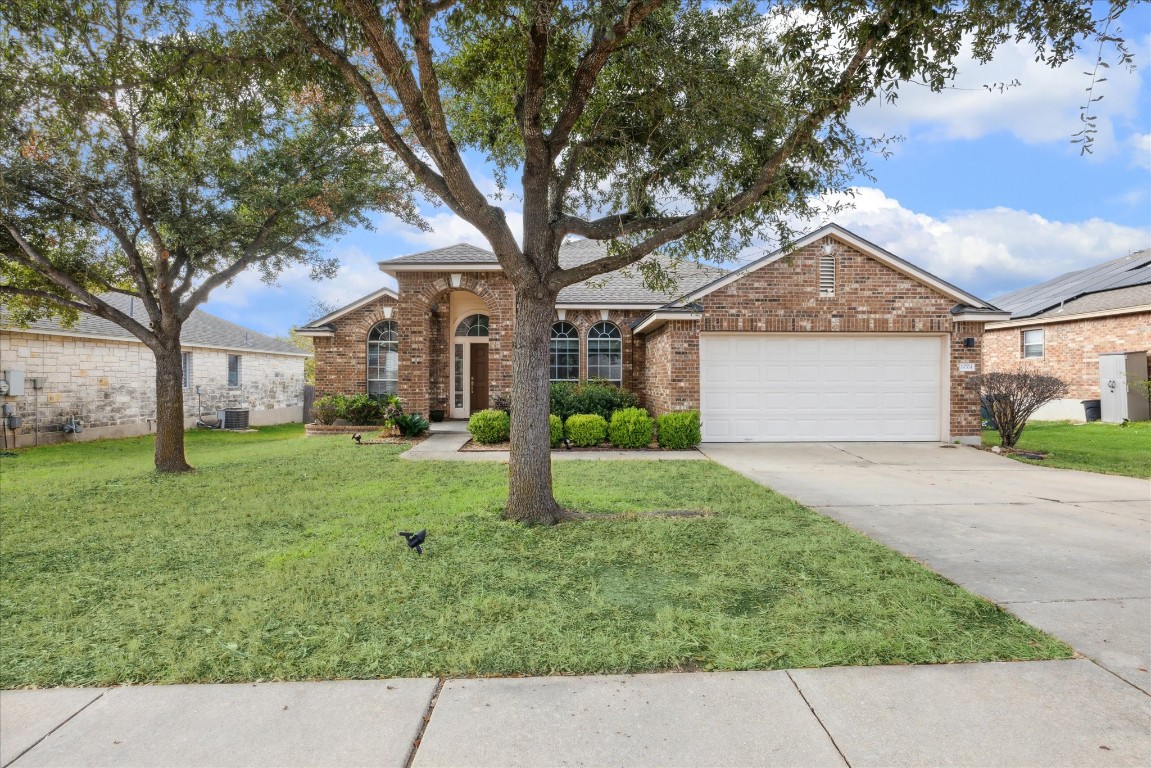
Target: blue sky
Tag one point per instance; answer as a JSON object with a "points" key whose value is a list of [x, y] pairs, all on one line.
{"points": [[986, 191]]}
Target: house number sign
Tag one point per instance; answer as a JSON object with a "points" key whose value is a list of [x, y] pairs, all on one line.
{"points": [[967, 367]]}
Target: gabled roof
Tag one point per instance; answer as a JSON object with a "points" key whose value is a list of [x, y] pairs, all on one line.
{"points": [[966, 300], [621, 288], [1106, 278], [200, 329], [322, 326]]}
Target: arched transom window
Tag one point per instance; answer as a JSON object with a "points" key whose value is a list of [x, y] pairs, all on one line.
{"points": [[383, 358], [473, 325], [564, 352], [605, 353]]}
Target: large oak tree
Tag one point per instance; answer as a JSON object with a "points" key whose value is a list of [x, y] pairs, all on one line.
{"points": [[690, 127], [141, 157]]}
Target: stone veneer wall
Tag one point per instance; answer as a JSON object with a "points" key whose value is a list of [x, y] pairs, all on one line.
{"points": [[110, 385], [1071, 351]]}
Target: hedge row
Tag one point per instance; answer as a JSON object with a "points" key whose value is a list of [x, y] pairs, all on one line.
{"points": [[628, 428]]}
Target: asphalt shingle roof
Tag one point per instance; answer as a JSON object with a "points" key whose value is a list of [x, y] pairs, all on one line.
{"points": [[1124, 272], [620, 287], [200, 329], [1132, 296]]}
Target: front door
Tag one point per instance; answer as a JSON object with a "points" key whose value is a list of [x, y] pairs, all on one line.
{"points": [[479, 378]]}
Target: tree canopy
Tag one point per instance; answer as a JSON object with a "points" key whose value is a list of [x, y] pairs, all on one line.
{"points": [[149, 153]]}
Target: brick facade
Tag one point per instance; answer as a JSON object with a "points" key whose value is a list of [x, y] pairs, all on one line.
{"points": [[110, 385], [1071, 349], [663, 365]]}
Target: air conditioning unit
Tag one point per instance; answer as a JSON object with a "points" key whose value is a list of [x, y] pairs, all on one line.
{"points": [[233, 418]]}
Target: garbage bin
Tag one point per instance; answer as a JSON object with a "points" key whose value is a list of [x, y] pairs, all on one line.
{"points": [[1091, 410]]}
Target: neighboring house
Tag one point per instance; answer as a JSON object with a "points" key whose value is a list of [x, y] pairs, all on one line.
{"points": [[835, 339], [1060, 327], [100, 374]]}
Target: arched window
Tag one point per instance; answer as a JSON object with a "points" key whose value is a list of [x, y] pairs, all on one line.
{"points": [[564, 352], [383, 358], [473, 325], [605, 353]]}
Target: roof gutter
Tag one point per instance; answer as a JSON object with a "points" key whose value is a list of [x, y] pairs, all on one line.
{"points": [[658, 318]]}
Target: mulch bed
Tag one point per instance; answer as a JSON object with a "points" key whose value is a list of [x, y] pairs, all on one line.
{"points": [[472, 445], [1034, 455], [392, 440]]}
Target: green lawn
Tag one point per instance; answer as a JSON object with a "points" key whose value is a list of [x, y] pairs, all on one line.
{"points": [[1096, 447], [279, 560]]}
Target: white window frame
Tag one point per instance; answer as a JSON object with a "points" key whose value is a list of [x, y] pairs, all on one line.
{"points": [[1039, 346], [384, 376], [186, 369], [604, 338], [239, 371], [570, 342]]}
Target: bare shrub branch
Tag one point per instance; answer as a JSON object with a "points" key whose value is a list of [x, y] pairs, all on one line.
{"points": [[1013, 396]]}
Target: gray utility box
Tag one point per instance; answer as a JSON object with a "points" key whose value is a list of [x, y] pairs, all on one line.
{"points": [[1120, 398]]}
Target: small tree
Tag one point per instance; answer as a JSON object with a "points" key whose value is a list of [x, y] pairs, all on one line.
{"points": [[142, 157], [1013, 396]]}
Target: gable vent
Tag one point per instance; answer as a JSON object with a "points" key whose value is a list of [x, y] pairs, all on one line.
{"points": [[826, 275]]}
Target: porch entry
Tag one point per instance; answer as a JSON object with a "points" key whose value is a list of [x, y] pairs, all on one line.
{"points": [[470, 377]]}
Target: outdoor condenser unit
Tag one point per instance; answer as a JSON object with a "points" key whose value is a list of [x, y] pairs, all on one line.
{"points": [[1120, 399], [232, 418]]}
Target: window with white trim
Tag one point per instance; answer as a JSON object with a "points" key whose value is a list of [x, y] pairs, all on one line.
{"points": [[564, 352], [826, 275], [186, 365], [473, 325], [605, 353], [233, 370], [384, 358], [1032, 343]]}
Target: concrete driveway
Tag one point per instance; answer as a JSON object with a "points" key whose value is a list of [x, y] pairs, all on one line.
{"points": [[1067, 551]]}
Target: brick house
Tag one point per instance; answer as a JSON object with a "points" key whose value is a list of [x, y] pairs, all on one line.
{"points": [[1060, 327], [835, 339], [102, 375]]}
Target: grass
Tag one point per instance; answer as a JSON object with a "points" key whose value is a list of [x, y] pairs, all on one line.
{"points": [[1096, 447], [278, 560]]}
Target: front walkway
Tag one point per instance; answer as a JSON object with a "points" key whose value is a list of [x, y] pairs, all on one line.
{"points": [[1066, 551], [1049, 713], [447, 437]]}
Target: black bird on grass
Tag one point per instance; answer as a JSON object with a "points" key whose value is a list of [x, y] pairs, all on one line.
{"points": [[415, 540], [356, 437]]}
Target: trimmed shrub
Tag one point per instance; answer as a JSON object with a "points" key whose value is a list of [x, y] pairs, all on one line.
{"points": [[555, 423], [563, 399], [586, 429], [490, 426], [596, 396], [679, 430], [631, 428], [362, 409], [326, 409], [411, 424]]}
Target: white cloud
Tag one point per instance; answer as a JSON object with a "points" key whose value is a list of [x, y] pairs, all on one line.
{"points": [[1043, 108], [1140, 144], [987, 251]]}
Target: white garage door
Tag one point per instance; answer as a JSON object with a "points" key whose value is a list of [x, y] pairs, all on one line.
{"points": [[776, 388]]}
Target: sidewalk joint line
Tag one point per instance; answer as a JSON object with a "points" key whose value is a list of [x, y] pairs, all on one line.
{"points": [[58, 727], [424, 724], [814, 714]]}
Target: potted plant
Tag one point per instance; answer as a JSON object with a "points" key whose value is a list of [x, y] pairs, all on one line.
{"points": [[437, 414]]}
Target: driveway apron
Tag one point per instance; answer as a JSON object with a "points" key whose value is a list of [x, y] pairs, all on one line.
{"points": [[1067, 551]]}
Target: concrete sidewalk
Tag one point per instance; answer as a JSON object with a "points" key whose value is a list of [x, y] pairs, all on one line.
{"points": [[1049, 713]]}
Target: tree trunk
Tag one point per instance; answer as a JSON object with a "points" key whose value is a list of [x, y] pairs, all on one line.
{"points": [[170, 408], [530, 497]]}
